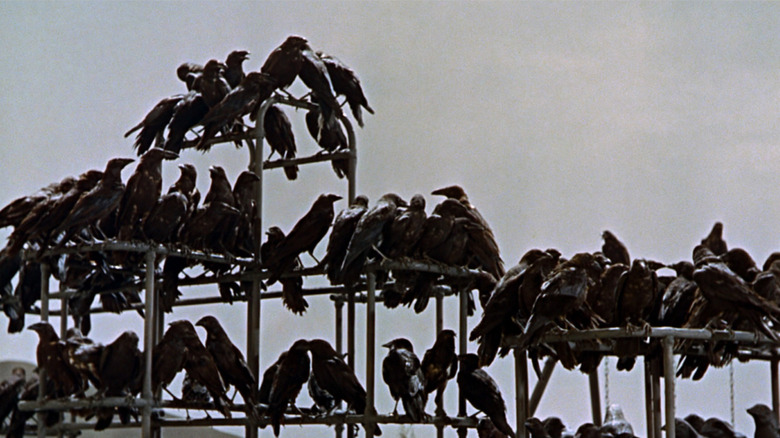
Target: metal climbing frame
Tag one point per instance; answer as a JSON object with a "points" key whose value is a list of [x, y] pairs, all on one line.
{"points": [[754, 347], [154, 319]]}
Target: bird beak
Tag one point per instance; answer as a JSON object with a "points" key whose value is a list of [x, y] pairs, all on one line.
{"points": [[388, 345]]}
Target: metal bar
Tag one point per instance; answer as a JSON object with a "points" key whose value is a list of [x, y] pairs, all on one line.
{"points": [[657, 419], [668, 343], [439, 328], [415, 265], [149, 330], [41, 372], [317, 158], [522, 411], [352, 163], [595, 396], [649, 399], [463, 306], [350, 328], [339, 307], [773, 368], [541, 384], [370, 350]]}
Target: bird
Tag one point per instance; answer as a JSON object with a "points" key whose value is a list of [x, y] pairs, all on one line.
{"points": [[292, 287], [213, 87], [314, 75], [337, 378], [230, 362], [200, 365], [536, 428], [284, 63], [10, 390], [439, 365], [765, 421], [168, 356], [304, 236], [714, 427], [16, 211], [264, 392], [637, 304], [554, 427], [486, 429], [482, 392], [141, 192], [405, 230], [343, 227], [330, 137], [121, 364], [614, 249], [324, 403], [152, 127], [187, 113], [402, 373], [291, 374], [234, 68], [714, 240], [345, 82], [246, 202], [683, 429], [280, 137], [50, 354], [98, 202], [367, 235]]}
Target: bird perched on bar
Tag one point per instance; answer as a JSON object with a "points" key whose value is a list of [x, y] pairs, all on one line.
{"points": [[402, 373], [213, 87], [172, 210], [314, 74], [346, 82], [291, 374], [765, 421], [638, 304], [740, 261], [714, 427], [324, 403], [439, 365], [614, 249], [201, 366], [243, 238], [482, 392], [243, 99], [337, 378], [343, 227], [264, 392], [230, 362], [482, 241], [304, 236], [98, 203], [17, 210], [120, 367], [188, 72], [168, 356], [234, 67], [141, 193], [683, 429], [187, 113], [405, 230], [51, 358], [367, 235], [536, 428], [292, 287], [280, 137], [152, 127], [330, 137], [554, 427], [284, 62]]}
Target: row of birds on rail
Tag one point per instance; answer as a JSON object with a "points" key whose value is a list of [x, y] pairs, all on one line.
{"points": [[73, 363], [220, 95], [718, 289], [99, 206]]}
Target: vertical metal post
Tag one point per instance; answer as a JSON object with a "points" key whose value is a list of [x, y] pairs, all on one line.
{"points": [[463, 349], [150, 327], [370, 347], [657, 419], [351, 328], [541, 384], [352, 166], [41, 373], [439, 328], [339, 305], [595, 397], [649, 400], [773, 368], [521, 392], [669, 385]]}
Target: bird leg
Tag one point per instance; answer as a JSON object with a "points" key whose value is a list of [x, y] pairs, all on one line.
{"points": [[235, 391], [311, 253], [395, 409]]}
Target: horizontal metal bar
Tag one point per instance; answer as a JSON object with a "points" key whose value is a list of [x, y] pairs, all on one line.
{"points": [[416, 265], [316, 158], [115, 245], [652, 332]]}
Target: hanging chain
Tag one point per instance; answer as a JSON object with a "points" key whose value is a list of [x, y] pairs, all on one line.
{"points": [[731, 391], [606, 381]]}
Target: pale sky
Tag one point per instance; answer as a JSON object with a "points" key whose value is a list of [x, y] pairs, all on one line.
{"points": [[560, 119]]}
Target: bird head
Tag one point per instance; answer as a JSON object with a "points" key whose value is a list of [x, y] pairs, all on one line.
{"points": [[208, 322], [237, 57], [417, 202], [117, 164], [453, 191], [399, 343]]}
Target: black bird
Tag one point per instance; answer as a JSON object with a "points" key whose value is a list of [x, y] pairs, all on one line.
{"points": [[152, 127], [279, 135], [405, 230], [98, 202], [614, 249], [121, 364], [637, 306], [10, 390], [241, 100], [284, 63], [304, 236], [229, 359], [439, 365], [314, 74], [264, 393], [201, 366], [714, 241], [683, 429], [292, 287], [367, 235], [536, 428], [330, 137], [324, 402], [168, 356], [337, 378], [51, 358], [187, 72], [482, 392], [17, 210], [234, 71], [346, 82], [714, 427], [554, 427], [484, 245], [290, 377], [141, 193], [739, 261], [403, 374], [246, 203], [213, 87], [187, 113], [343, 228], [163, 222], [765, 420], [486, 429]]}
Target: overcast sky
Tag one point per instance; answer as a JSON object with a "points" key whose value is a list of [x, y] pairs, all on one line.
{"points": [[651, 119]]}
